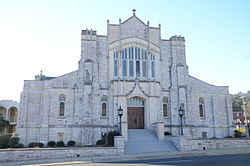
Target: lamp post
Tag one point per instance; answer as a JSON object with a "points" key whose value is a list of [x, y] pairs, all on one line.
{"points": [[247, 129], [181, 113], [120, 113]]}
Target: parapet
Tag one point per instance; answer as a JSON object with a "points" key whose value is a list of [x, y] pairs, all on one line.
{"points": [[177, 41], [177, 38], [89, 34]]}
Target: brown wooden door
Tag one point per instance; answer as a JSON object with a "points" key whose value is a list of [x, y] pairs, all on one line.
{"points": [[135, 118]]}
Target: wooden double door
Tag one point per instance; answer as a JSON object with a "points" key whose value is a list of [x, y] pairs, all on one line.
{"points": [[135, 117]]}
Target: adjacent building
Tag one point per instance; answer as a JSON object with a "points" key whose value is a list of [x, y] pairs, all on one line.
{"points": [[9, 111]]}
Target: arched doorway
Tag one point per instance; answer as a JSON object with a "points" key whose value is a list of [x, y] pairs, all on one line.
{"points": [[135, 113]]}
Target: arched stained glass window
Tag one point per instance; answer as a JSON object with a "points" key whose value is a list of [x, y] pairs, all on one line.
{"points": [[104, 100], [134, 63], [201, 107], [62, 99], [62, 108]]}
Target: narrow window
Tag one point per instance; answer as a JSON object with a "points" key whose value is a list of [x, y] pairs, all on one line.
{"points": [[153, 69], [104, 109], [131, 68], [124, 68], [137, 68], [62, 99], [115, 68], [62, 107], [165, 107], [201, 107], [144, 69], [104, 100]]}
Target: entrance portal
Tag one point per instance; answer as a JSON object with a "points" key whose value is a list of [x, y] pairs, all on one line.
{"points": [[135, 118], [135, 113]]}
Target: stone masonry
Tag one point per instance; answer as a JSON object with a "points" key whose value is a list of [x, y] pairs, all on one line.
{"points": [[131, 67]]}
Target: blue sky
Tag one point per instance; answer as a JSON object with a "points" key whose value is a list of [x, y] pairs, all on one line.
{"points": [[45, 35]]}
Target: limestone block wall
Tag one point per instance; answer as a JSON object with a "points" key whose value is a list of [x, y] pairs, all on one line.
{"points": [[52, 153], [184, 144]]}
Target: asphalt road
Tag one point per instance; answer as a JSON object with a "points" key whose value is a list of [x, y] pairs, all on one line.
{"points": [[222, 160], [215, 160]]}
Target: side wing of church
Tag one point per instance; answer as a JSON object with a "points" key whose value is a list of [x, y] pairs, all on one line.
{"points": [[131, 67]]}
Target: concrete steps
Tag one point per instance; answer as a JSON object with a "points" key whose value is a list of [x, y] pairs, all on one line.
{"points": [[145, 141]]}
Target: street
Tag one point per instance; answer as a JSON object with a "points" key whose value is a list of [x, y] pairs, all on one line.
{"points": [[215, 160], [226, 160]]}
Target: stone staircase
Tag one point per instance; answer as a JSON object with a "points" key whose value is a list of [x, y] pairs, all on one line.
{"points": [[145, 141]]}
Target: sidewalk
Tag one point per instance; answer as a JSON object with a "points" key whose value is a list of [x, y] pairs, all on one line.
{"points": [[144, 156]]}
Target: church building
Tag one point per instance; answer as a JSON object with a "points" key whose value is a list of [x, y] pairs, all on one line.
{"points": [[131, 67]]}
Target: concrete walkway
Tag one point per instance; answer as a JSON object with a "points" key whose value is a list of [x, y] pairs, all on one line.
{"points": [[129, 157]]}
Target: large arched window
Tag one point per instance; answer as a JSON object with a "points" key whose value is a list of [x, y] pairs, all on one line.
{"points": [[62, 99], [134, 63], [104, 100], [201, 107], [165, 107]]}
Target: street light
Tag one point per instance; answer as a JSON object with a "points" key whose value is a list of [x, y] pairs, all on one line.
{"points": [[181, 113], [247, 130], [120, 113]]}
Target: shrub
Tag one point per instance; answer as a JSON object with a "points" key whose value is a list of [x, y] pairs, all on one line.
{"points": [[237, 133], [71, 143], [19, 145], [100, 142], [32, 145], [111, 135], [167, 133], [51, 144], [228, 137], [13, 141], [35, 144], [40, 145], [60, 144], [4, 141]]}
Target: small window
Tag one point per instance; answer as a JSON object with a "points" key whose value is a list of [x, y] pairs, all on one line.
{"points": [[201, 107], [165, 110], [60, 136], [62, 107], [165, 107], [104, 109], [204, 134], [62, 99], [104, 100]]}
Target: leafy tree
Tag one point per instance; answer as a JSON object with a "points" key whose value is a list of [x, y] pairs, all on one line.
{"points": [[3, 123], [236, 100]]}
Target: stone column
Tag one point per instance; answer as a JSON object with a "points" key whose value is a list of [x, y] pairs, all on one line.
{"points": [[160, 130], [120, 144]]}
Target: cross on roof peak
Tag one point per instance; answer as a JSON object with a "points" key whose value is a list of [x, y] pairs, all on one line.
{"points": [[134, 11]]}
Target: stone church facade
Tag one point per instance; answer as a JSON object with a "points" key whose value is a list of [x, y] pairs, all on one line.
{"points": [[131, 67]]}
